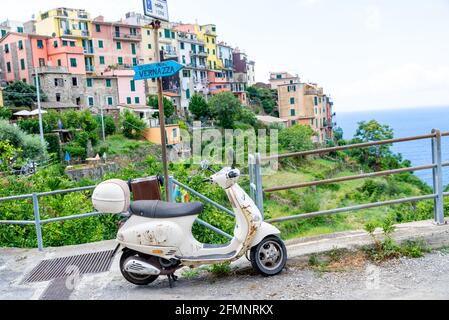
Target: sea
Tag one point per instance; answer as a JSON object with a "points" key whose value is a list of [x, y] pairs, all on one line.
{"points": [[405, 123]]}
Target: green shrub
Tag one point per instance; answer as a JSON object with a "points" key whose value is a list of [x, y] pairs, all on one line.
{"points": [[132, 126], [30, 145], [53, 144], [5, 113]]}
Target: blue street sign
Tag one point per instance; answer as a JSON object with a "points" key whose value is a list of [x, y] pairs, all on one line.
{"points": [[157, 9], [157, 70]]}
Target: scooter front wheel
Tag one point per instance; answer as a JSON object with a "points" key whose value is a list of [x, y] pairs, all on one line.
{"points": [[136, 279], [269, 257]]}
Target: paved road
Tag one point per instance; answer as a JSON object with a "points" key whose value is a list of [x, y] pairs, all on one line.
{"points": [[424, 278]]}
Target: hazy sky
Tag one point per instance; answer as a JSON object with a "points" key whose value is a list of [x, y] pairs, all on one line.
{"points": [[368, 54]]}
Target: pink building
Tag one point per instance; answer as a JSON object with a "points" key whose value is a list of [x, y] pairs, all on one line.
{"points": [[23, 53], [115, 44], [218, 82], [130, 92]]}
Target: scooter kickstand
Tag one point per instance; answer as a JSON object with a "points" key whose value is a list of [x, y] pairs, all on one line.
{"points": [[172, 279]]}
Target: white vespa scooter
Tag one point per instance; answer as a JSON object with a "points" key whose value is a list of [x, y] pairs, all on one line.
{"points": [[157, 238]]}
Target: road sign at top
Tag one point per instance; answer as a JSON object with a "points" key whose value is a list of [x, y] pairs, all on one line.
{"points": [[157, 70], [157, 9]]}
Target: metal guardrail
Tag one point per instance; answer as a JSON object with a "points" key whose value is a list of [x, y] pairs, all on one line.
{"points": [[437, 166], [257, 191], [37, 222]]}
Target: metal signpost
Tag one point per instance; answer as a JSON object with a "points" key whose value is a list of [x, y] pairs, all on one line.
{"points": [[158, 10]]}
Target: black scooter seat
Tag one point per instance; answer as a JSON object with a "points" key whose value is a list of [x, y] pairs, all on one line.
{"points": [[165, 210]]}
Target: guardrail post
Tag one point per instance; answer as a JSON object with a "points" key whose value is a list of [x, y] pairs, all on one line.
{"points": [[438, 177], [259, 187], [252, 184], [37, 222], [170, 188]]}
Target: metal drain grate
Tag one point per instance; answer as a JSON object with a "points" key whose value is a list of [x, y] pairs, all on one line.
{"points": [[57, 290], [47, 270]]}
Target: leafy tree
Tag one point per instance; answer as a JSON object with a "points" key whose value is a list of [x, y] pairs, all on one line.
{"points": [[376, 157], [198, 107], [169, 108], [247, 116], [30, 145], [7, 153], [132, 126], [109, 125], [21, 94], [5, 113], [264, 97], [297, 138], [225, 108]]}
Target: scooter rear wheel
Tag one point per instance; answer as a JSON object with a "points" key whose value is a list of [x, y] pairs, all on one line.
{"points": [[269, 257], [136, 279]]}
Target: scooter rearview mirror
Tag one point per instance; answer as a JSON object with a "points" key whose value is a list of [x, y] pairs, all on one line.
{"points": [[204, 165]]}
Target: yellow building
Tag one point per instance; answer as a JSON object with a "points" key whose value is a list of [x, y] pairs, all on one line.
{"points": [[173, 134], [70, 24], [315, 107], [208, 35]]}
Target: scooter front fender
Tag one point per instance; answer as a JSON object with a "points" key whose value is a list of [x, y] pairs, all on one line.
{"points": [[264, 231]]}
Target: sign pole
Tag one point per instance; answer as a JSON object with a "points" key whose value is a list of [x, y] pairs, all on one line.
{"points": [[156, 24]]}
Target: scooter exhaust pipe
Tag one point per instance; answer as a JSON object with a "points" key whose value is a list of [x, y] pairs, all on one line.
{"points": [[141, 267]]}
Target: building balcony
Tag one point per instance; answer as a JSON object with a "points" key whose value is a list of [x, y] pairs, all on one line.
{"points": [[90, 68], [313, 92], [89, 51], [198, 53], [76, 33], [170, 53], [51, 69], [127, 37]]}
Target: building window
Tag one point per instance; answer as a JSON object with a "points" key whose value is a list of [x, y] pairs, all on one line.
{"points": [[149, 46], [188, 94], [293, 112], [59, 62], [279, 76], [186, 73], [58, 97], [110, 101], [108, 83], [101, 60], [20, 45], [137, 100], [89, 83], [41, 62], [100, 44], [55, 44], [148, 32], [90, 101], [167, 33], [182, 45], [75, 81], [120, 60], [119, 46], [133, 85], [73, 62], [128, 100], [8, 67], [40, 44], [316, 101], [133, 48], [293, 122], [22, 64], [175, 133], [6, 48], [292, 100], [64, 43], [97, 28], [20, 29], [134, 61]]}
